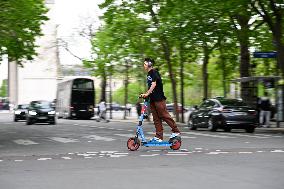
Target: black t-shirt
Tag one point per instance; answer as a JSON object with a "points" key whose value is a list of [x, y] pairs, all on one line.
{"points": [[158, 92]]}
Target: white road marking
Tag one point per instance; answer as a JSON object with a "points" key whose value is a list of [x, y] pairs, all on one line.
{"points": [[245, 152], [67, 158], [18, 160], [113, 155], [149, 155], [121, 153], [176, 154], [108, 152], [198, 148], [25, 142], [63, 140], [43, 159], [1, 160], [277, 151], [215, 153], [96, 137], [206, 135]]}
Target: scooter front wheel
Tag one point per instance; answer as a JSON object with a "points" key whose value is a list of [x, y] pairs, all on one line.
{"points": [[176, 143], [133, 143]]}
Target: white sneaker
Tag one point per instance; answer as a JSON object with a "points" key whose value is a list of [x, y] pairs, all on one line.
{"points": [[173, 135], [156, 139]]}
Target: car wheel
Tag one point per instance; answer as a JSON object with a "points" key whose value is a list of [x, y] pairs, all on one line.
{"points": [[190, 124], [29, 122], [250, 130], [211, 126], [227, 129], [15, 120]]}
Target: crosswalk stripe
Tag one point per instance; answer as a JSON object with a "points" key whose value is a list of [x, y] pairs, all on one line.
{"points": [[207, 135], [24, 142], [63, 140], [96, 137]]}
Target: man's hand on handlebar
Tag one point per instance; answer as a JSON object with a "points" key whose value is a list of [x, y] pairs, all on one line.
{"points": [[145, 95]]}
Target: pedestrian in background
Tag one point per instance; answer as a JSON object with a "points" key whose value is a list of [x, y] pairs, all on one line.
{"points": [[265, 110], [102, 111]]}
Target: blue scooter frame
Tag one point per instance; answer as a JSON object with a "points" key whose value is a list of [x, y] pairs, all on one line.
{"points": [[133, 143]]}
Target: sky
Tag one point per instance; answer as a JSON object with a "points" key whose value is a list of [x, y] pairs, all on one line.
{"points": [[71, 16]]}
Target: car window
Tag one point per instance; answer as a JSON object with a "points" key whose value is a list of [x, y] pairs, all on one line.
{"points": [[23, 106], [210, 104], [40, 104], [232, 102]]}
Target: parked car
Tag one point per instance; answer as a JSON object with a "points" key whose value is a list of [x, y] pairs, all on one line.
{"points": [[170, 107], [20, 112], [40, 112], [221, 113]]}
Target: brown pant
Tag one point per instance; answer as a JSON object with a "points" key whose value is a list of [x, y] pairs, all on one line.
{"points": [[160, 112]]}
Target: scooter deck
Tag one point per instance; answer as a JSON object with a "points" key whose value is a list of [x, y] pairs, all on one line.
{"points": [[164, 143]]}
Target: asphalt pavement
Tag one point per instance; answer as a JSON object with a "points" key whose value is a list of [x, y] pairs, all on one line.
{"points": [[89, 154]]}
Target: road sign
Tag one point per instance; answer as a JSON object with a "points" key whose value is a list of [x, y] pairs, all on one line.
{"points": [[264, 54]]}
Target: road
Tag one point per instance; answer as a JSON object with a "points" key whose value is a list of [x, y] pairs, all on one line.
{"points": [[89, 154]]}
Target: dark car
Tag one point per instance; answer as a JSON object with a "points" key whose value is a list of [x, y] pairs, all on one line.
{"points": [[20, 112], [225, 114], [170, 108], [40, 112]]}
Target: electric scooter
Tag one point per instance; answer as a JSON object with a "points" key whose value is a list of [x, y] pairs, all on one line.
{"points": [[134, 143]]}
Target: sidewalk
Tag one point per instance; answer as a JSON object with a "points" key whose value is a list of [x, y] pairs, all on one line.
{"points": [[5, 111]]}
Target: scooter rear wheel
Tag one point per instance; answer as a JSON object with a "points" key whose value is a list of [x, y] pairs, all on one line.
{"points": [[176, 143], [133, 143]]}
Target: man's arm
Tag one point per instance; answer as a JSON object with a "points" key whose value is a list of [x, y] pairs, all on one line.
{"points": [[153, 85]]}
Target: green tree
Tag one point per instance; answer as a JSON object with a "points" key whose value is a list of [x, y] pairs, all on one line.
{"points": [[19, 27], [3, 89]]}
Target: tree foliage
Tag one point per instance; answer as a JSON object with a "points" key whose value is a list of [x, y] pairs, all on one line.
{"points": [[19, 27], [206, 43]]}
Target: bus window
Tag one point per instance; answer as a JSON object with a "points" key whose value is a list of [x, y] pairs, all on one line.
{"points": [[82, 84]]}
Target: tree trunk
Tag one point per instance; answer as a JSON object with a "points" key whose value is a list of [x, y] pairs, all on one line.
{"points": [[167, 55], [224, 78], [103, 87], [126, 89], [204, 71], [181, 78], [277, 35], [246, 93]]}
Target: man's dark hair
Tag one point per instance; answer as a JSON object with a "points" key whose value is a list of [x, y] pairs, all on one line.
{"points": [[150, 61]]}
